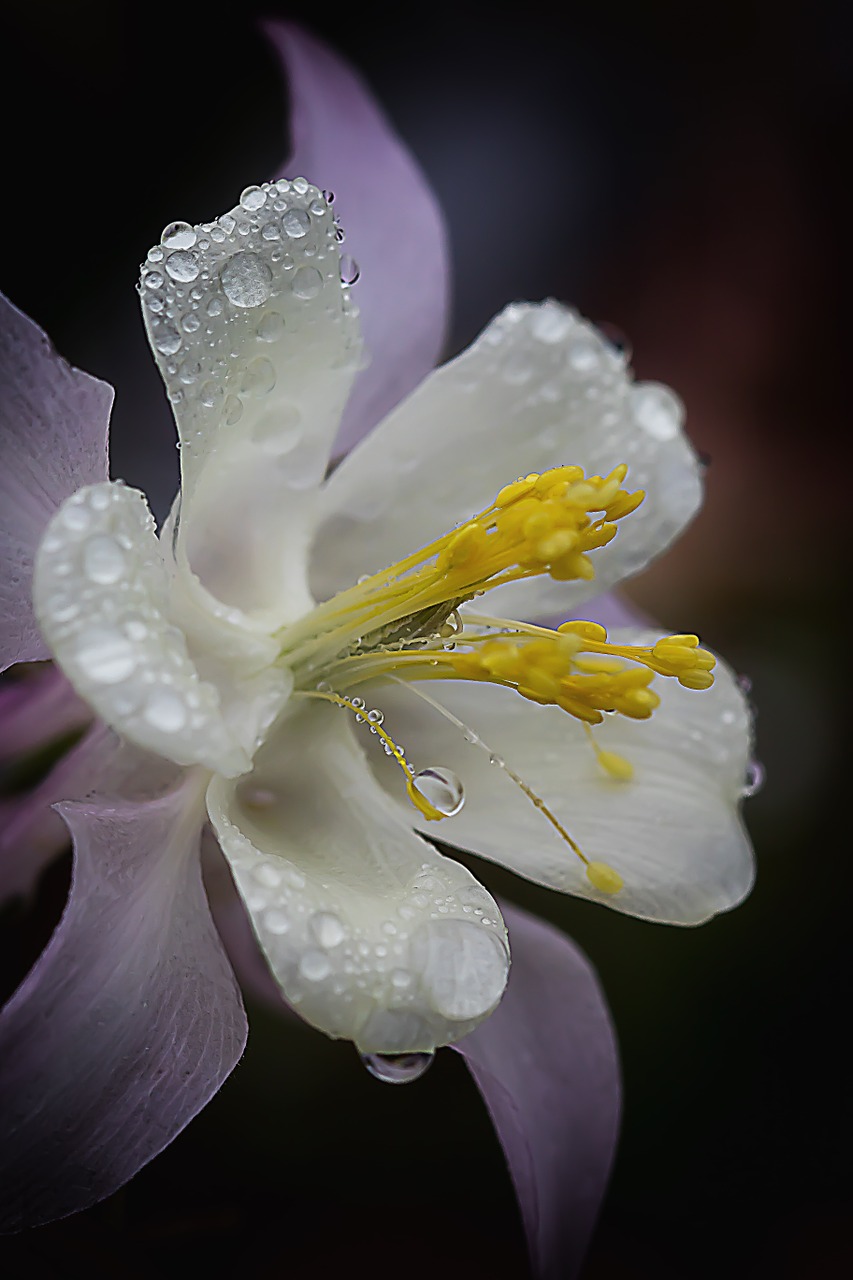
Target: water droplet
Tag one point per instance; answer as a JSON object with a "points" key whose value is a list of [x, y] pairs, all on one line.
{"points": [[350, 270], [307, 282], [105, 655], [178, 235], [744, 684], [374, 718], [327, 928], [270, 231], [584, 355], [155, 254], [210, 393], [657, 410], [618, 341], [233, 410], [271, 327], [246, 280], [167, 339], [165, 711], [227, 222], [152, 279], [214, 307], [397, 1068], [103, 559], [295, 223], [315, 966], [441, 788], [754, 780], [329, 197], [190, 323], [258, 377], [182, 266], [253, 198], [300, 185], [340, 235]]}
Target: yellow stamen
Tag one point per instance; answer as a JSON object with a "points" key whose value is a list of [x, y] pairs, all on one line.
{"points": [[417, 798], [617, 766], [604, 878]]}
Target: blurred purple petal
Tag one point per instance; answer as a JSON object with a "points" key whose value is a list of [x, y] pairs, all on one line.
{"points": [[53, 439], [31, 832], [130, 1021], [36, 710], [546, 1064], [343, 141]]}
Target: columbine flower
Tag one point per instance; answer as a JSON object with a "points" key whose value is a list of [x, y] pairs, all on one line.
{"points": [[329, 665]]}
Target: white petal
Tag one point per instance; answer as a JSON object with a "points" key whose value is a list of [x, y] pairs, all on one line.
{"points": [[101, 596], [673, 833], [538, 389], [258, 344], [370, 932]]}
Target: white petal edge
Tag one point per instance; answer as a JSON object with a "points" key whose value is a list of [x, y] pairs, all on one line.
{"points": [[101, 596], [539, 388], [372, 935], [674, 833], [258, 343]]}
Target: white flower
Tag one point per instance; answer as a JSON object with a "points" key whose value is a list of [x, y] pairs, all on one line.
{"points": [[275, 637]]}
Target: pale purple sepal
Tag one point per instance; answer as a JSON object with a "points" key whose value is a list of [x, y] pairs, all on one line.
{"points": [[394, 228], [31, 831], [53, 439], [128, 1024], [546, 1064], [36, 710]]}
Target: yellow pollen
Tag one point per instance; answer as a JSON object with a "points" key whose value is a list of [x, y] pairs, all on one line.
{"points": [[604, 878]]}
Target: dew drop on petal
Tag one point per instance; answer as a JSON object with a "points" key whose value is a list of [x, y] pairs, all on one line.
{"points": [[315, 966], [246, 280], [441, 788], [307, 283], [295, 223], [253, 198], [178, 235], [182, 266], [105, 655], [327, 928], [397, 1068], [657, 410], [103, 559], [165, 711]]}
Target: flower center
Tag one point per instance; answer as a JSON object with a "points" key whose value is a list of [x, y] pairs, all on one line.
{"points": [[403, 624]]}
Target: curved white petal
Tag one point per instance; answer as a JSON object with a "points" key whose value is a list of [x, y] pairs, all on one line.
{"points": [[372, 935], [258, 344], [673, 833], [101, 596], [539, 388]]}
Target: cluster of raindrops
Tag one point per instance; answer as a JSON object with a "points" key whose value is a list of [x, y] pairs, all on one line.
{"points": [[99, 587], [231, 306], [387, 971]]}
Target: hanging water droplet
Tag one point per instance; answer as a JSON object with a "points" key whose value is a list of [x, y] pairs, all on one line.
{"points": [[374, 718], [253, 198], [441, 788], [350, 270], [246, 280], [340, 235], [618, 341], [397, 1068], [178, 235], [754, 780], [329, 197], [358, 703], [300, 185]]}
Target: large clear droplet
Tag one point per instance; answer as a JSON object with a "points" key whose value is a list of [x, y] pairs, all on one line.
{"points": [[397, 1068], [441, 788], [178, 235], [246, 280]]}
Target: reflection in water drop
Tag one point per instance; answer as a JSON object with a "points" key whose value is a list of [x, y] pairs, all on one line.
{"points": [[397, 1068], [441, 788]]}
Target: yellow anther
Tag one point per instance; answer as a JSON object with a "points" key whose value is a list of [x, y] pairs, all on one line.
{"points": [[695, 679], [556, 544], [512, 492], [617, 766], [572, 566], [586, 630], [604, 878], [600, 537], [623, 504], [463, 548]]}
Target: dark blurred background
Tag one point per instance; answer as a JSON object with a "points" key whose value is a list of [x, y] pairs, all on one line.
{"points": [[677, 172]]}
